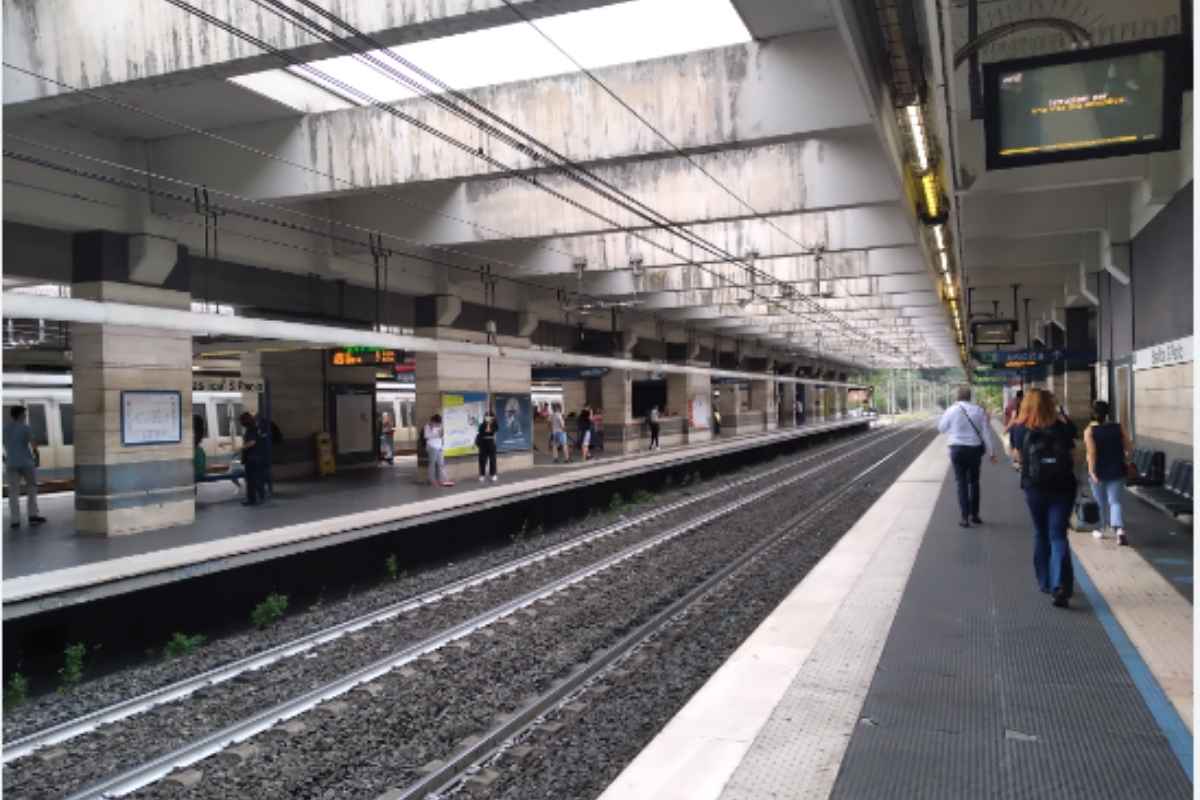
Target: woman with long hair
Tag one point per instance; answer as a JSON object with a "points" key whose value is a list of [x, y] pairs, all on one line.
{"points": [[1107, 448], [1043, 439]]}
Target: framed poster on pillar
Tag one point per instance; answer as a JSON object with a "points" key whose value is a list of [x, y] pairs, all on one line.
{"points": [[461, 414], [151, 416], [514, 422]]}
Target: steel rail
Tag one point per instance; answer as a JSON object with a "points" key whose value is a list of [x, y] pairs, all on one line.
{"points": [[460, 766], [142, 775], [69, 729]]}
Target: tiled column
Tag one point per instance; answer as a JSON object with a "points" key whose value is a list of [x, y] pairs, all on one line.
{"points": [[763, 404], [143, 481], [689, 398], [622, 434], [787, 413], [439, 373]]}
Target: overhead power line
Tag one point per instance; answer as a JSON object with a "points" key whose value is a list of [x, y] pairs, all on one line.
{"points": [[546, 157]]}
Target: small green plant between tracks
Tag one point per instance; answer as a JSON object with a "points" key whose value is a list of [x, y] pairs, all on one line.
{"points": [[269, 611], [16, 691], [181, 644], [392, 565], [71, 672]]}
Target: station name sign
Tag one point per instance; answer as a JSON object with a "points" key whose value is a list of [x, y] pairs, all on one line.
{"points": [[217, 383], [1166, 354], [365, 357]]}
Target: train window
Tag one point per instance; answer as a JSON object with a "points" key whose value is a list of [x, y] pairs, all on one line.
{"points": [[66, 416], [37, 421], [225, 418]]}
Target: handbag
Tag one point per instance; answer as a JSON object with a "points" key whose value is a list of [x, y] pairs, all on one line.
{"points": [[1131, 471]]}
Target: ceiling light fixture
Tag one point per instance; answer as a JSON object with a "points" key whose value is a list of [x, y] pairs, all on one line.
{"points": [[929, 186], [940, 235], [918, 134]]}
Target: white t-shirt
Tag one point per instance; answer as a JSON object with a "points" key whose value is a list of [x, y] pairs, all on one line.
{"points": [[557, 424], [433, 436], [654, 415]]}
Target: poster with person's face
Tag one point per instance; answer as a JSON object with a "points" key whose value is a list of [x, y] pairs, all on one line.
{"points": [[514, 422], [461, 414]]}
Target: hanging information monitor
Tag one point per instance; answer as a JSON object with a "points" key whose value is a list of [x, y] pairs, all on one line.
{"points": [[1081, 104], [994, 332]]}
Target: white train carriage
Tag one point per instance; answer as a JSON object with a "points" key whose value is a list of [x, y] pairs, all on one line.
{"points": [[50, 407]]}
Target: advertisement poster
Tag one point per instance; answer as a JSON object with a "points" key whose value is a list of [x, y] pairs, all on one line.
{"points": [[151, 417], [461, 414], [514, 421], [699, 412]]}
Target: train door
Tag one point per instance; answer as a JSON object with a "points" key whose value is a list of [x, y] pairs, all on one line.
{"points": [[228, 428]]}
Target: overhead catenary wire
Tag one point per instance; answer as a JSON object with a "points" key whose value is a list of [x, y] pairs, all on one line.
{"points": [[662, 220], [311, 27]]}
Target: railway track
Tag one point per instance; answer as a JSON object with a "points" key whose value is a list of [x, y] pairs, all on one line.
{"points": [[153, 769]]}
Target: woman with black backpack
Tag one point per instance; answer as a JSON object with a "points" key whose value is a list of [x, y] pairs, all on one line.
{"points": [[1043, 439]]}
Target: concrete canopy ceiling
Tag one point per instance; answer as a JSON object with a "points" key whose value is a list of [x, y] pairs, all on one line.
{"points": [[782, 125]]}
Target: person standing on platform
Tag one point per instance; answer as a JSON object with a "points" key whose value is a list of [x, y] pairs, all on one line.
{"points": [[1108, 446], [652, 421], [585, 432], [1044, 438], [20, 463], [434, 433], [387, 438], [485, 442], [558, 435], [965, 425], [252, 459]]}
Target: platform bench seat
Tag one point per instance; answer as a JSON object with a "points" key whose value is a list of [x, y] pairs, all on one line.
{"points": [[1150, 465], [1175, 495]]}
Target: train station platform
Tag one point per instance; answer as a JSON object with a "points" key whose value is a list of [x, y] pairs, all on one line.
{"points": [[918, 659], [52, 567]]}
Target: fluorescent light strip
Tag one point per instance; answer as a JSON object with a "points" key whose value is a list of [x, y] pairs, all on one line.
{"points": [[945, 262], [918, 134], [940, 236]]}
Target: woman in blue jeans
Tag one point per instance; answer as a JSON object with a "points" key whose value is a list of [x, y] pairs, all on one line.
{"points": [[1107, 445], [1043, 439]]}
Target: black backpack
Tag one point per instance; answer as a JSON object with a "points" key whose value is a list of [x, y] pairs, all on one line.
{"points": [[1048, 463]]}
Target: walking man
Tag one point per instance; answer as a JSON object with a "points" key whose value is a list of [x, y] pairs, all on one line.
{"points": [[20, 454], [965, 425]]}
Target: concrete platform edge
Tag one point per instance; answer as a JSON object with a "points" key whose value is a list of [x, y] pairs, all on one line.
{"points": [[697, 755], [34, 594]]}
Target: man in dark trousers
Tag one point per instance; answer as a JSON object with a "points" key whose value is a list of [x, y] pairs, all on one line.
{"points": [[252, 459], [967, 432]]}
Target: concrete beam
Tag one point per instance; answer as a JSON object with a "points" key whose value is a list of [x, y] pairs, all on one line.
{"points": [[141, 42], [779, 178], [704, 100]]}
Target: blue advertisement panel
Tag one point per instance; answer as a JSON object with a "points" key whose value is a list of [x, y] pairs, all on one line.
{"points": [[514, 421]]}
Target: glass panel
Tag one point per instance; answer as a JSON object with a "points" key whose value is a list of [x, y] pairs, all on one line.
{"points": [[37, 421], [224, 419], [66, 416]]}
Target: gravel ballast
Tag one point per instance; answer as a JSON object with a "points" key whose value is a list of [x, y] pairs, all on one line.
{"points": [[381, 735], [118, 746]]}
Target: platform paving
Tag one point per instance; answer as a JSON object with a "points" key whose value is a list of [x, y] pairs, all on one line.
{"points": [[918, 659], [985, 690]]}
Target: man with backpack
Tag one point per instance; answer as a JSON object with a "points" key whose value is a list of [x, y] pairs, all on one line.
{"points": [[966, 427]]}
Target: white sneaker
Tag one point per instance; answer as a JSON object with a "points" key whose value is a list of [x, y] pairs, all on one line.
{"points": [[1099, 534], [1121, 538], [482, 479], [495, 478]]}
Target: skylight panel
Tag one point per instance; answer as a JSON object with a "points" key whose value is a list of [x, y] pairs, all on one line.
{"points": [[599, 37]]}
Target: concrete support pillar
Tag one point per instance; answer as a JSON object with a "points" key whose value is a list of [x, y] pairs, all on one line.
{"points": [[788, 416], [733, 405], [442, 374], [689, 405], [132, 390], [305, 391], [574, 396], [764, 404], [622, 433]]}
